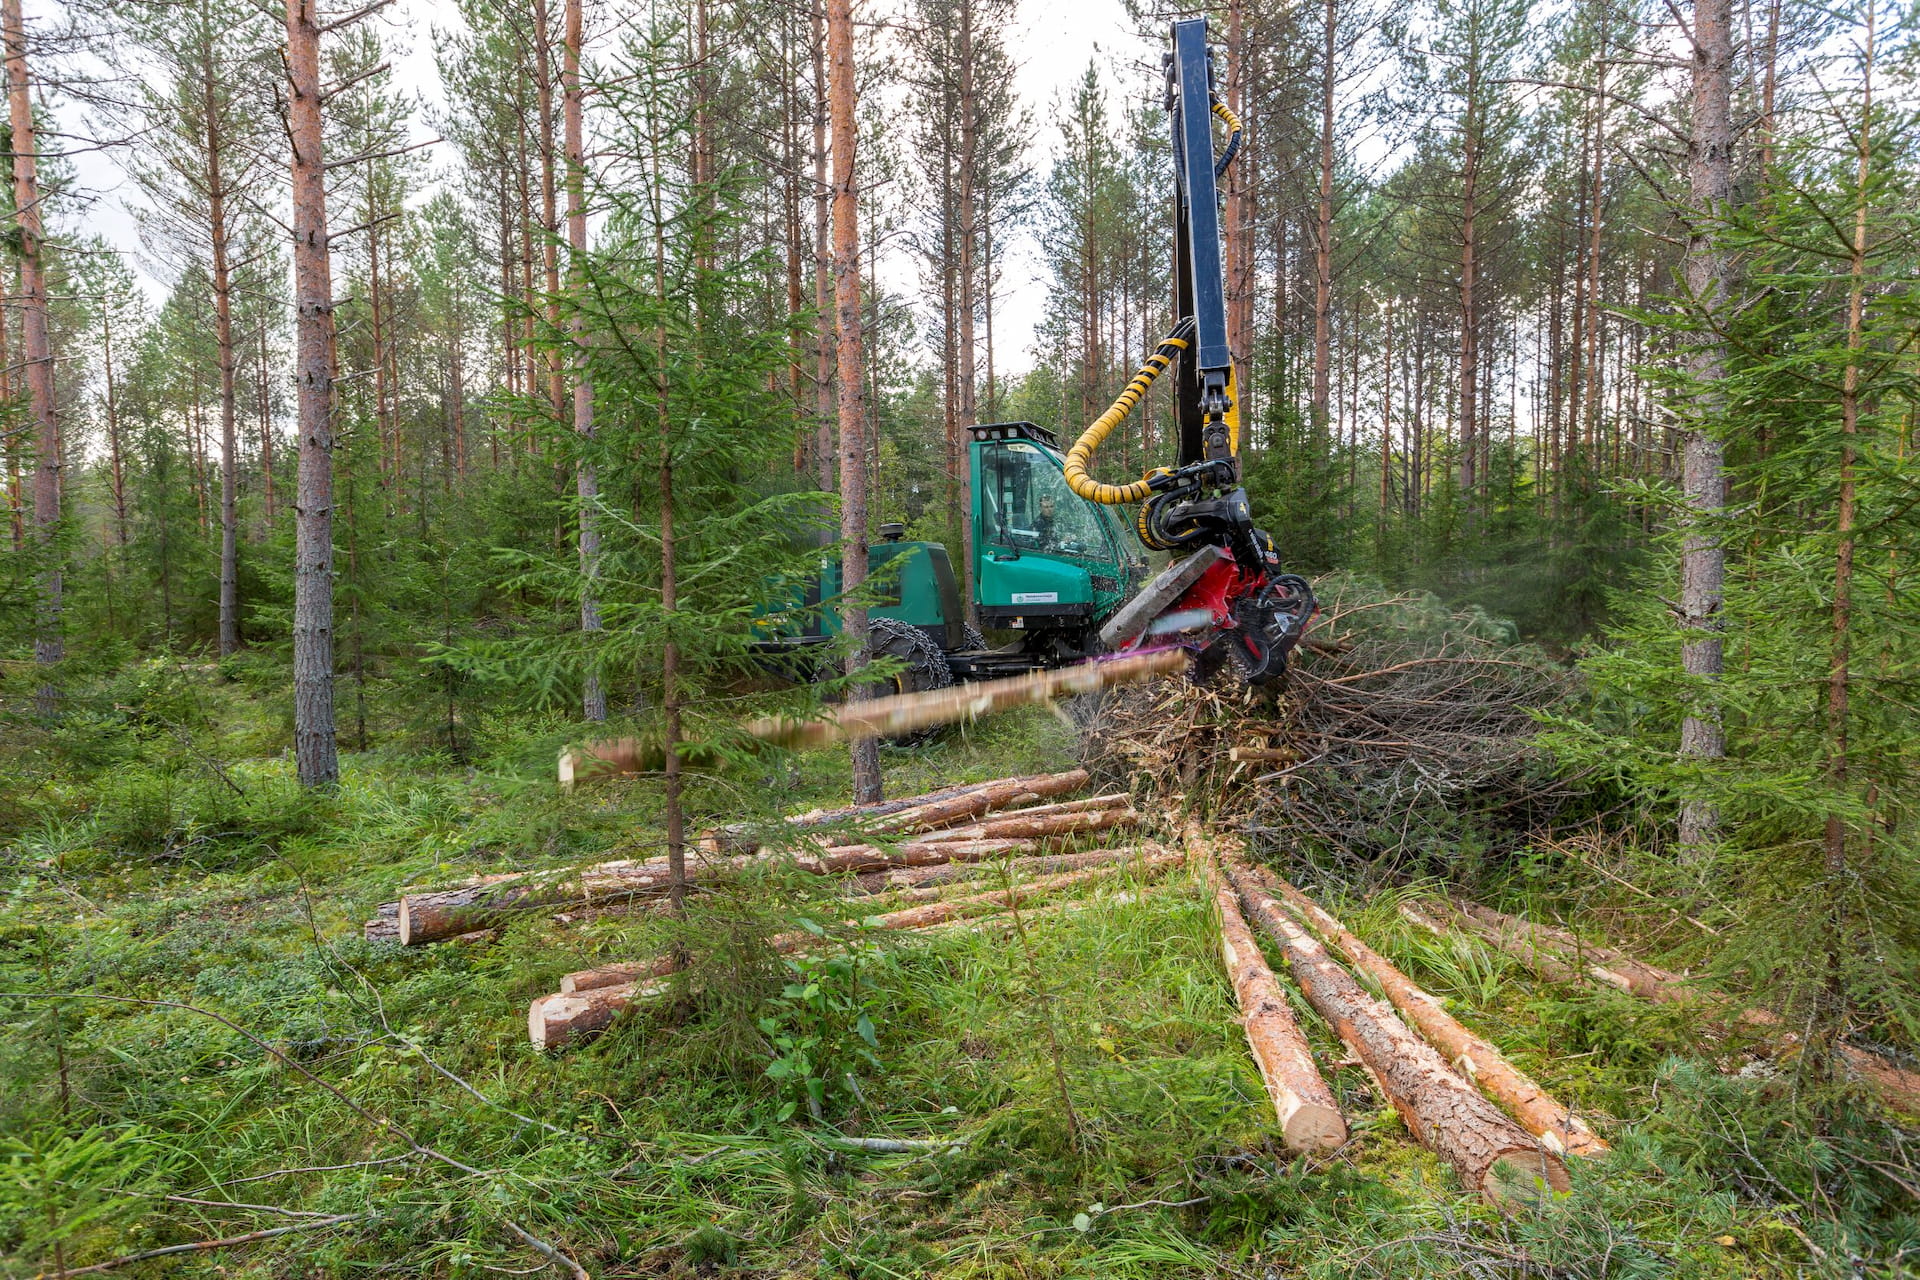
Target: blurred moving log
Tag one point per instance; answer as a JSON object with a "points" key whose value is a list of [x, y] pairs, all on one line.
{"points": [[905, 712], [1492, 1154], [1482, 1063], [1559, 956], [1310, 1118], [592, 998]]}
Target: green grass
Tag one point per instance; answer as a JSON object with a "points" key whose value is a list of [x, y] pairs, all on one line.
{"points": [[665, 1147]]}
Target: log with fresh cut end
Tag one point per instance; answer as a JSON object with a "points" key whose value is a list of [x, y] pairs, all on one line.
{"points": [[433, 916], [1536, 1109], [1445, 1114], [1310, 1118]]}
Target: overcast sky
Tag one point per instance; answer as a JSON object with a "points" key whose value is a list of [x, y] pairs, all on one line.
{"points": [[1052, 45]]}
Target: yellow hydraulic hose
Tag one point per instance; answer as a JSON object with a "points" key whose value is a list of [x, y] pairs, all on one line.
{"points": [[1227, 117], [1080, 457]]}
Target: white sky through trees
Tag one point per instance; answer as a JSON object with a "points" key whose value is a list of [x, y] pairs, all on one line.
{"points": [[1052, 45]]}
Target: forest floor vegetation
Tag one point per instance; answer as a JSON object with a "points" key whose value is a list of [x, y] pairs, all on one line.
{"points": [[199, 1044]]}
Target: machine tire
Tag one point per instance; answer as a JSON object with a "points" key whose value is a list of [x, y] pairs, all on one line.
{"points": [[925, 667]]}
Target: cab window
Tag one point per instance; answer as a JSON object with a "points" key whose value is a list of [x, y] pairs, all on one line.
{"points": [[1027, 505]]}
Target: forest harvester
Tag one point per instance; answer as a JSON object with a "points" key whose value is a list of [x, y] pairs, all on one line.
{"points": [[1053, 559]]}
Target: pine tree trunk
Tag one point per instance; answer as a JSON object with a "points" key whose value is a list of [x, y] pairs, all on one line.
{"points": [[969, 293], [218, 234], [852, 371], [1840, 650], [1320, 407], [549, 204], [115, 453], [586, 479], [314, 751], [1469, 312], [823, 386], [1703, 561], [49, 644]]}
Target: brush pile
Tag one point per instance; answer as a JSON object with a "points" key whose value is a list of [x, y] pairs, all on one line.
{"points": [[1398, 719]]}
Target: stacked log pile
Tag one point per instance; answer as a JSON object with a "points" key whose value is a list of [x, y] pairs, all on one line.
{"points": [[1000, 818], [1447, 1107]]}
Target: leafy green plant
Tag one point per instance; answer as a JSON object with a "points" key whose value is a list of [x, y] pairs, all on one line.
{"points": [[821, 1029]]}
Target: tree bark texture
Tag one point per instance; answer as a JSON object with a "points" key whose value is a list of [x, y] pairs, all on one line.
{"points": [[1475, 1058], [851, 373], [219, 234], [36, 353], [315, 755], [1703, 481], [1310, 1118], [586, 478], [1491, 1154], [926, 812]]}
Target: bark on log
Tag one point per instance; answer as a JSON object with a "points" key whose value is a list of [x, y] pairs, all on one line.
{"points": [[1491, 1153], [1022, 826], [1310, 1118], [906, 712], [567, 1015], [1475, 1058], [1553, 953], [914, 813], [429, 917], [914, 879]]}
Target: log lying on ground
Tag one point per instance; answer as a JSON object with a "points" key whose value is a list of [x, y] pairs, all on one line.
{"points": [[906, 712], [1310, 1118], [1535, 1109], [918, 879], [429, 917], [915, 917], [1558, 955], [1024, 826], [1491, 1153], [592, 998], [914, 814]]}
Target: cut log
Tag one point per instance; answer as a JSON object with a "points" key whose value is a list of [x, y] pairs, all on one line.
{"points": [[1023, 826], [915, 879], [1492, 1154], [922, 825], [915, 813], [1475, 1058], [1611, 966], [385, 925], [906, 712], [430, 917], [1553, 952], [558, 1019], [1310, 1118]]}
